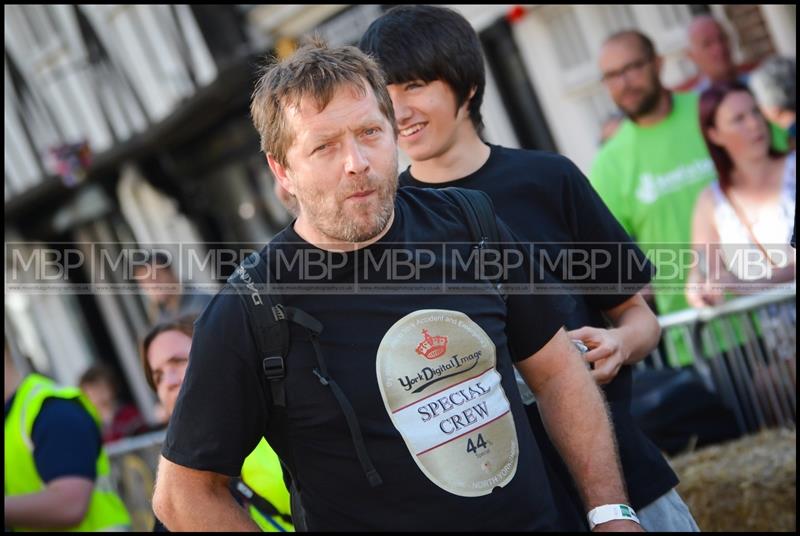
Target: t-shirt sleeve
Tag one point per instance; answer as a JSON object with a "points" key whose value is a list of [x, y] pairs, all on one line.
{"points": [[66, 440], [536, 307], [618, 268], [221, 411], [605, 178]]}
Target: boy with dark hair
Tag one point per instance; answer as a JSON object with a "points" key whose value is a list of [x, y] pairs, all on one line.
{"points": [[434, 66]]}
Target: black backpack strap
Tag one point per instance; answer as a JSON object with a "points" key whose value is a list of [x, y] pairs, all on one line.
{"points": [[477, 206], [478, 209], [367, 466], [268, 322]]}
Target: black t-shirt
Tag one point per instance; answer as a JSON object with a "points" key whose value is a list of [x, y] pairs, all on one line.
{"points": [[546, 200], [428, 373]]}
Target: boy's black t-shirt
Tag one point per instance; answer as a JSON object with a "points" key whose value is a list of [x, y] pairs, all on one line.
{"points": [[546, 200], [428, 373]]}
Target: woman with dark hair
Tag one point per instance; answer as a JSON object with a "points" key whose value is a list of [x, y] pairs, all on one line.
{"points": [[743, 221]]}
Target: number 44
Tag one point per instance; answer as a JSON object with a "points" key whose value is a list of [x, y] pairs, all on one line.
{"points": [[474, 446]]}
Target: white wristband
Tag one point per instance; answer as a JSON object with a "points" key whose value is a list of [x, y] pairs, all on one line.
{"points": [[610, 512]]}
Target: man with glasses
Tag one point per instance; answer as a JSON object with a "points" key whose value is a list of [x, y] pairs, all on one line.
{"points": [[651, 172]]}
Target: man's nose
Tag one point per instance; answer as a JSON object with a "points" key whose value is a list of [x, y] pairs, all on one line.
{"points": [[356, 162]]}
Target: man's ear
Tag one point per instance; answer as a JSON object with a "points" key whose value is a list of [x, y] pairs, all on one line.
{"points": [[467, 101], [279, 171], [659, 61]]}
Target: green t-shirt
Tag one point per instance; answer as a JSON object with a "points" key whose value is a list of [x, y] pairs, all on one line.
{"points": [[650, 178]]}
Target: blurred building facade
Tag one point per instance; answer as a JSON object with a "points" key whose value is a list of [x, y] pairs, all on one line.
{"points": [[159, 94]]}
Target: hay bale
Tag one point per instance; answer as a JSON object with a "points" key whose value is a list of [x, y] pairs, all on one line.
{"points": [[748, 484]]}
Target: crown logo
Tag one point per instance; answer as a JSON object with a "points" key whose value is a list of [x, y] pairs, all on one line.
{"points": [[432, 347]]}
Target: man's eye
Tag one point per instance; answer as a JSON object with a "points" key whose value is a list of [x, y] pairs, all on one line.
{"points": [[371, 131], [320, 148]]}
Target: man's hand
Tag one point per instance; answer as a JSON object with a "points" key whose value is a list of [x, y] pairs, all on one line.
{"points": [[634, 335], [618, 525], [606, 351]]}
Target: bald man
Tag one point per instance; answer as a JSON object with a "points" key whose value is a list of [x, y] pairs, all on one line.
{"points": [[709, 49]]}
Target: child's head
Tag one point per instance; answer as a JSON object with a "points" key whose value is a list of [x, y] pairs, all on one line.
{"points": [[430, 43]]}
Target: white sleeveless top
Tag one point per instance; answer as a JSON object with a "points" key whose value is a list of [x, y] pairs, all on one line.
{"points": [[772, 227]]}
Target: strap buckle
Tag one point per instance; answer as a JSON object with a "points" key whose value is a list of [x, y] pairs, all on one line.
{"points": [[274, 368]]}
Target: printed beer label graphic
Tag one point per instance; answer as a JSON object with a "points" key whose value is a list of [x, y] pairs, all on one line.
{"points": [[436, 371]]}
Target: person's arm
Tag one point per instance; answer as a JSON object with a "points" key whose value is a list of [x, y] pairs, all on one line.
{"points": [[572, 408], [62, 504], [784, 274], [700, 291], [575, 416], [66, 442], [218, 420], [634, 336], [635, 329], [190, 500]]}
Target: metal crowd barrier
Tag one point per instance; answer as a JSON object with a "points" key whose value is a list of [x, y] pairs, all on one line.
{"points": [[133, 470], [745, 350]]}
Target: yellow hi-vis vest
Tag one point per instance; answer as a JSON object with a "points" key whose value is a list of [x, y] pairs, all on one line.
{"points": [[106, 511], [262, 472]]}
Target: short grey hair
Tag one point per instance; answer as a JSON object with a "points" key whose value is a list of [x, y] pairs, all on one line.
{"points": [[774, 83]]}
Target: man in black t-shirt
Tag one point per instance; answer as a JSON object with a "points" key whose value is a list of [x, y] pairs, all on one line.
{"points": [[435, 69], [402, 412]]}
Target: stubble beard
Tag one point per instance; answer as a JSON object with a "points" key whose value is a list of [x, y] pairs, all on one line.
{"points": [[361, 222], [648, 104]]}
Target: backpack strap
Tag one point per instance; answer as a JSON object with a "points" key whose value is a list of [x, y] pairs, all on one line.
{"points": [[271, 332], [269, 325], [478, 208], [268, 322], [321, 372]]}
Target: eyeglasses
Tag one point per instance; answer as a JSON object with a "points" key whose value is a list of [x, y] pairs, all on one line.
{"points": [[614, 76]]}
